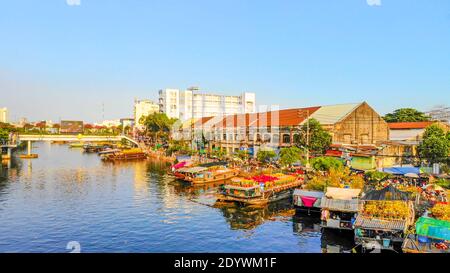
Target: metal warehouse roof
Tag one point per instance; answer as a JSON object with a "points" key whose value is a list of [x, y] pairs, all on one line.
{"points": [[334, 113], [367, 222]]}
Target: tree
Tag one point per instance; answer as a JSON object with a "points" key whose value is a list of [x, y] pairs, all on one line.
{"points": [[290, 155], [4, 135], [265, 156], [376, 176], [338, 178], [435, 145], [41, 125], [319, 138], [242, 154], [325, 163], [57, 126], [218, 153], [406, 115], [157, 124]]}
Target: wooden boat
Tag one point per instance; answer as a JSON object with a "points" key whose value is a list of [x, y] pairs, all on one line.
{"points": [[258, 194], [339, 208], [76, 145], [109, 151], [185, 169], [59, 142], [201, 175], [28, 156], [132, 154], [95, 148], [307, 201], [432, 235]]}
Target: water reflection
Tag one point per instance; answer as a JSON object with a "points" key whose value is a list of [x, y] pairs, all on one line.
{"points": [[136, 206], [250, 217]]}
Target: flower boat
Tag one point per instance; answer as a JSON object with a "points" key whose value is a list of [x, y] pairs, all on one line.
{"points": [[432, 232], [384, 219], [200, 175], [259, 190], [130, 154]]}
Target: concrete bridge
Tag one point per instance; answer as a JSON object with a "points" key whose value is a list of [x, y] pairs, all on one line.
{"points": [[69, 138]]}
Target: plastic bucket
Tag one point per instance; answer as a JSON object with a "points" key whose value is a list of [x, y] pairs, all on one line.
{"points": [[423, 239]]}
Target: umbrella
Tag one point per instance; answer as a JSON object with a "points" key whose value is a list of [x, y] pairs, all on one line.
{"points": [[412, 175]]}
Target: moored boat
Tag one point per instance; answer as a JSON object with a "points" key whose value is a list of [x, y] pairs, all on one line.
{"points": [[131, 154], [339, 208], [200, 175], [307, 201], [76, 145], [259, 190]]}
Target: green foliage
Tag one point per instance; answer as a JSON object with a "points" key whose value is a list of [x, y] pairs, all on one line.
{"points": [[325, 163], [376, 176], [218, 153], [290, 155], [179, 147], [445, 183], [4, 135], [157, 124], [435, 145], [242, 154], [319, 138], [406, 115], [265, 156], [338, 178]]}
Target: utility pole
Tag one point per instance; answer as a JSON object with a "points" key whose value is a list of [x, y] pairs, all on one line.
{"points": [[301, 114], [307, 138]]}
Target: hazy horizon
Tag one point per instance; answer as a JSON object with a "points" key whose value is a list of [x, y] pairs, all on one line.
{"points": [[65, 59]]}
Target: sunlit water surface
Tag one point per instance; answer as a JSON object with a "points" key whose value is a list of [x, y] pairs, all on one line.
{"points": [[66, 195]]}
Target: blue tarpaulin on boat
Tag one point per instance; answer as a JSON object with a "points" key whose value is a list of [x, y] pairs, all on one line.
{"points": [[402, 170]]}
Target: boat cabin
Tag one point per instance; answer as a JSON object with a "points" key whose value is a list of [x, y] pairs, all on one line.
{"points": [[339, 208]]}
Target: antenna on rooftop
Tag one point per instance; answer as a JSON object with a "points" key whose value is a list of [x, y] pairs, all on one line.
{"points": [[193, 88]]}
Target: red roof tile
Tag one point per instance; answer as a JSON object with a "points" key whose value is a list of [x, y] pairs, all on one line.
{"points": [[410, 125], [287, 117]]}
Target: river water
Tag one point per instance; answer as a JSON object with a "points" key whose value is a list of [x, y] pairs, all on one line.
{"points": [[69, 196]]}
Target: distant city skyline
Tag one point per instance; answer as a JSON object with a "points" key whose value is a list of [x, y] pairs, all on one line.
{"points": [[88, 60]]}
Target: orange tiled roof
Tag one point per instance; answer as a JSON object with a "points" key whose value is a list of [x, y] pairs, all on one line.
{"points": [[200, 122], [287, 117], [410, 125]]}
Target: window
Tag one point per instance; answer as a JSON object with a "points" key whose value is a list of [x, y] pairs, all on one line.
{"points": [[286, 138]]}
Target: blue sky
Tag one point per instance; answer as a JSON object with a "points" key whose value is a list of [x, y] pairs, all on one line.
{"points": [[64, 61]]}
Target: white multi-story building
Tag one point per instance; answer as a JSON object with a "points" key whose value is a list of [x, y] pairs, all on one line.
{"points": [[144, 108], [169, 102], [4, 115], [190, 103]]}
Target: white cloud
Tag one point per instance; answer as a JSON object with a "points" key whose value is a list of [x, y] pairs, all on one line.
{"points": [[73, 2], [373, 2]]}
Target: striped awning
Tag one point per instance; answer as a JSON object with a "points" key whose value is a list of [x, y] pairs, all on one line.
{"points": [[366, 222]]}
